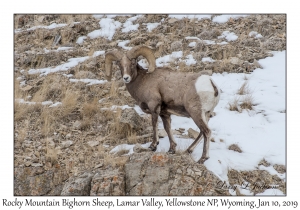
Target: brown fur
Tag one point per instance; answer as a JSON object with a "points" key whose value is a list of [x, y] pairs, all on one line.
{"points": [[165, 92]]}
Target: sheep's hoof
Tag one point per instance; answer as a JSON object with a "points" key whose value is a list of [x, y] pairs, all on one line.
{"points": [[171, 151], [153, 148], [202, 160], [188, 151]]}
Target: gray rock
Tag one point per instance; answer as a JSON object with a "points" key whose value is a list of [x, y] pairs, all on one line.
{"points": [[32, 181], [80, 185], [93, 143], [131, 120], [172, 20], [108, 182], [138, 148], [192, 133], [50, 143], [162, 174], [77, 124], [162, 133], [236, 61], [28, 163], [67, 144], [99, 165]]}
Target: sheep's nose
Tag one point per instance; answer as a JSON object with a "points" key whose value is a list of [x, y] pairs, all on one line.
{"points": [[126, 78]]}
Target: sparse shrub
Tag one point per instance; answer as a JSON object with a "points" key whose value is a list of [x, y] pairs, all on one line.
{"points": [[244, 89], [234, 105], [247, 102]]}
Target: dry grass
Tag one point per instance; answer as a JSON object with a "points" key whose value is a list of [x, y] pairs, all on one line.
{"points": [[69, 102], [244, 89], [114, 92], [51, 117], [234, 105], [23, 111], [53, 88], [66, 18], [132, 138], [238, 104], [247, 102], [89, 109], [51, 155]]}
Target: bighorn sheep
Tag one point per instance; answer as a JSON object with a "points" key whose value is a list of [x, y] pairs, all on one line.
{"points": [[162, 92]]}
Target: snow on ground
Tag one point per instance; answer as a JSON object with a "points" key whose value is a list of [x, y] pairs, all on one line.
{"points": [[44, 103], [89, 81], [129, 26], [192, 44], [123, 43], [260, 133], [151, 26], [209, 42], [108, 28], [81, 39], [255, 34], [225, 18], [58, 49], [52, 26], [72, 62], [229, 36], [165, 60], [208, 59], [98, 16], [199, 17]]}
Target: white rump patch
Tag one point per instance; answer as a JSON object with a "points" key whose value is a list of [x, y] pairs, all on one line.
{"points": [[206, 92], [203, 83]]}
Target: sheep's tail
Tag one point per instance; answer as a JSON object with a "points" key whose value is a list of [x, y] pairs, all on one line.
{"points": [[215, 88]]}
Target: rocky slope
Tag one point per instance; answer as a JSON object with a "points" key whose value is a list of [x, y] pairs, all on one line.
{"points": [[63, 122]]}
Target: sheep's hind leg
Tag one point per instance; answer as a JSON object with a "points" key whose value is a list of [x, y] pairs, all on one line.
{"points": [[200, 136], [195, 143], [201, 119], [155, 132], [167, 126], [207, 137]]}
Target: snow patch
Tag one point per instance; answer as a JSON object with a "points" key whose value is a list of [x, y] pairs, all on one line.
{"points": [[199, 17], [81, 39], [128, 25], [89, 81], [255, 34], [151, 26], [108, 29], [229, 36], [123, 43], [225, 18], [208, 59]]}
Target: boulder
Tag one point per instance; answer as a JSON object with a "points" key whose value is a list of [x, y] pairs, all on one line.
{"points": [[162, 174], [80, 185]]}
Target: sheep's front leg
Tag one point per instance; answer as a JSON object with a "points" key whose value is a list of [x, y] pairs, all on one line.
{"points": [[167, 125], [155, 132]]}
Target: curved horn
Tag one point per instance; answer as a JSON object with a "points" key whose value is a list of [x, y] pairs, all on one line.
{"points": [[109, 58], [146, 52]]}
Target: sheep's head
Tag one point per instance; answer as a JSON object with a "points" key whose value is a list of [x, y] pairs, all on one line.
{"points": [[127, 62]]}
